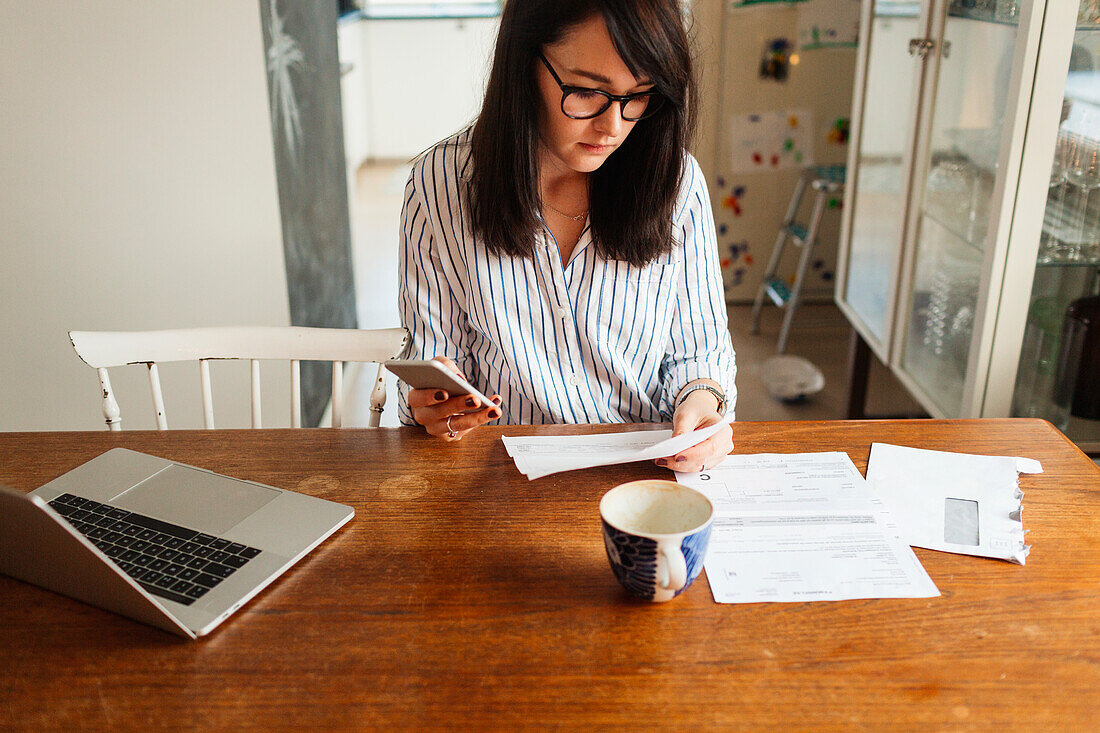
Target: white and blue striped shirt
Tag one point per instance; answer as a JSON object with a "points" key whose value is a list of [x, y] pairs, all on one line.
{"points": [[588, 341]]}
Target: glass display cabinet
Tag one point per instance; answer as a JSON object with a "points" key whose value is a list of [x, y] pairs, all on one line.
{"points": [[970, 244]]}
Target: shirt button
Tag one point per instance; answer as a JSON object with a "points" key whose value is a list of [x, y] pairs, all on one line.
{"points": [[561, 312], [575, 380]]}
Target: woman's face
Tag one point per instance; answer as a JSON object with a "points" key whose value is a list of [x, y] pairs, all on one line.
{"points": [[584, 57]]}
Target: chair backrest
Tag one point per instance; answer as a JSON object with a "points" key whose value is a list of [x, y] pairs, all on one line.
{"points": [[103, 349]]}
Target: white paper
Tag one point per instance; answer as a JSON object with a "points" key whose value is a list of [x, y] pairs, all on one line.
{"points": [[953, 502], [538, 456], [802, 527], [799, 556]]}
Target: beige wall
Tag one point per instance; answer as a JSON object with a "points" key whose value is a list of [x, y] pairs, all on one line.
{"points": [[137, 190], [706, 34]]}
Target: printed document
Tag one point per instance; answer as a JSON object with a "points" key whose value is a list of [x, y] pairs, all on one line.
{"points": [[802, 527], [538, 456]]}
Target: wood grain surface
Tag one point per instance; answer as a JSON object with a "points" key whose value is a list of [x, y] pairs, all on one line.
{"points": [[463, 595]]}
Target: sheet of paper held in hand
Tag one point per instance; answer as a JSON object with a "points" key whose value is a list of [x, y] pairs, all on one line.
{"points": [[802, 527], [541, 456]]}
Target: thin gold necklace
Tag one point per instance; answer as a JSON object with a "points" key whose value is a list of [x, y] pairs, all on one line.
{"points": [[578, 217]]}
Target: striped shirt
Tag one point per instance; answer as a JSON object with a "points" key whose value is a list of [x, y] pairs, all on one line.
{"points": [[588, 341]]}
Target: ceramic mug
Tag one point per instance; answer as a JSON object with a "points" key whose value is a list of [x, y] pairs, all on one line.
{"points": [[656, 534]]}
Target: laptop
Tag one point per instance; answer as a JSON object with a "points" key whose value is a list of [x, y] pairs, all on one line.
{"points": [[164, 543]]}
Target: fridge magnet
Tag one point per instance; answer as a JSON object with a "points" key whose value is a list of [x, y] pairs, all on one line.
{"points": [[771, 141], [733, 201], [819, 268], [737, 249], [828, 24], [839, 132], [736, 278], [775, 61]]}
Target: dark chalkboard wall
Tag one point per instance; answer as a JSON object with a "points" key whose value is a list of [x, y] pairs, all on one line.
{"points": [[303, 78]]}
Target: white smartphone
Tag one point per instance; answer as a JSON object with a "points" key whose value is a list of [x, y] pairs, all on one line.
{"points": [[430, 374]]}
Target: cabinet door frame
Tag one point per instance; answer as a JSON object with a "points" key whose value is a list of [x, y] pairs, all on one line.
{"points": [[995, 245], [882, 348], [1044, 118]]}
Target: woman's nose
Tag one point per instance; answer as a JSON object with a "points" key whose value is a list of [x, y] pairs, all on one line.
{"points": [[610, 122]]}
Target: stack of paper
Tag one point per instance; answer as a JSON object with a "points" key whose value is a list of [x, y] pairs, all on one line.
{"points": [[802, 527], [539, 456], [954, 502]]}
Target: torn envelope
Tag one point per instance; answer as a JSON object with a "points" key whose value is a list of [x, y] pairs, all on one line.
{"points": [[953, 502]]}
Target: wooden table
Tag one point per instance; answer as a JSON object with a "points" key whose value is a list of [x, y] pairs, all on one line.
{"points": [[462, 595]]}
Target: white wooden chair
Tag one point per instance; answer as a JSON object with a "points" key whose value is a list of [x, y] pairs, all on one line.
{"points": [[104, 349]]}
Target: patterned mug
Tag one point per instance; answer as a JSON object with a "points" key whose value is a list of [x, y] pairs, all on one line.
{"points": [[656, 534]]}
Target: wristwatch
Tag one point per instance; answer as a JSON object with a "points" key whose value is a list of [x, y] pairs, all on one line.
{"points": [[713, 390]]}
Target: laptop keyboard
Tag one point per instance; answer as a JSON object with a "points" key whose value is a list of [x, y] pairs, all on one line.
{"points": [[169, 561]]}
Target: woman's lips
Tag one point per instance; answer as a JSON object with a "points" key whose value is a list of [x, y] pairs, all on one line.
{"points": [[596, 149]]}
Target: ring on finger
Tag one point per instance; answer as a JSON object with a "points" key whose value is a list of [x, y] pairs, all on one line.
{"points": [[450, 431]]}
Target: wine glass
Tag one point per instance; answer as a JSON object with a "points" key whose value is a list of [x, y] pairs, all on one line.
{"points": [[1049, 245], [1083, 172]]}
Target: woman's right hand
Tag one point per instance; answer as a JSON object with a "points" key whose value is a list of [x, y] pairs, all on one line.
{"points": [[449, 417]]}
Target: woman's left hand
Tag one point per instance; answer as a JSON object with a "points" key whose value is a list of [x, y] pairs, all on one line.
{"points": [[698, 410]]}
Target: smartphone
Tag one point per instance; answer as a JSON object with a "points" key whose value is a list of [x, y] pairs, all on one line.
{"points": [[430, 374]]}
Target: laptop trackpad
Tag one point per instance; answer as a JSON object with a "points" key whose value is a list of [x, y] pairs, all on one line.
{"points": [[195, 499]]}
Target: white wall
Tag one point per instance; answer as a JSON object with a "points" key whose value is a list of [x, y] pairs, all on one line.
{"points": [[137, 190]]}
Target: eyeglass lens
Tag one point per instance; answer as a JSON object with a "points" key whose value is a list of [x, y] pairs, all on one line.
{"points": [[584, 103]]}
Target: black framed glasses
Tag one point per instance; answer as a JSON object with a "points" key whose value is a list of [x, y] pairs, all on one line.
{"points": [[582, 103]]}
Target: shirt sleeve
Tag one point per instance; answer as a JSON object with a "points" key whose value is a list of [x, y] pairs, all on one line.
{"points": [[699, 345], [429, 308]]}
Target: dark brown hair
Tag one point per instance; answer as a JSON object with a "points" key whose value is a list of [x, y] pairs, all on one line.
{"points": [[633, 194]]}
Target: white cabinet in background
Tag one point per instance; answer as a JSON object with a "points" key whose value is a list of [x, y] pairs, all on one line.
{"points": [[953, 215], [423, 79]]}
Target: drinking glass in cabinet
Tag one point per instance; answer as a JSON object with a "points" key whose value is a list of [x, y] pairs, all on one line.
{"points": [[1083, 173]]}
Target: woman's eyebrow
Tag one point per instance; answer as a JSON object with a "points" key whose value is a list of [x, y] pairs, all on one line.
{"points": [[601, 78]]}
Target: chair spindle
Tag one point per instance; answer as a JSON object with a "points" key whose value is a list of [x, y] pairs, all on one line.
{"points": [[158, 396], [111, 412], [207, 395], [295, 393], [337, 392], [257, 418], [377, 398]]}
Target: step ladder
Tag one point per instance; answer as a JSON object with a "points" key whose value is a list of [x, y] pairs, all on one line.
{"points": [[826, 181]]}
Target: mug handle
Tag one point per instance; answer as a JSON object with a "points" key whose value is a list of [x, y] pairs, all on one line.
{"points": [[672, 573]]}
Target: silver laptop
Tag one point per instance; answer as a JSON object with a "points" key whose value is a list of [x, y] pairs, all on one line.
{"points": [[171, 545]]}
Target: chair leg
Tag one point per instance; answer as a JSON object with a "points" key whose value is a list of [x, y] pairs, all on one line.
{"points": [[377, 398], [111, 412]]}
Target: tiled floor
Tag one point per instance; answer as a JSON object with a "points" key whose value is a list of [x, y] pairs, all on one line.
{"points": [[819, 333]]}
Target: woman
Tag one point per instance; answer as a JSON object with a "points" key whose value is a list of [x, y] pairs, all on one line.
{"points": [[560, 254]]}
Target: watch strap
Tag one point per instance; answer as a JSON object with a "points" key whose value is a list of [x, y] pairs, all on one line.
{"points": [[709, 388]]}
